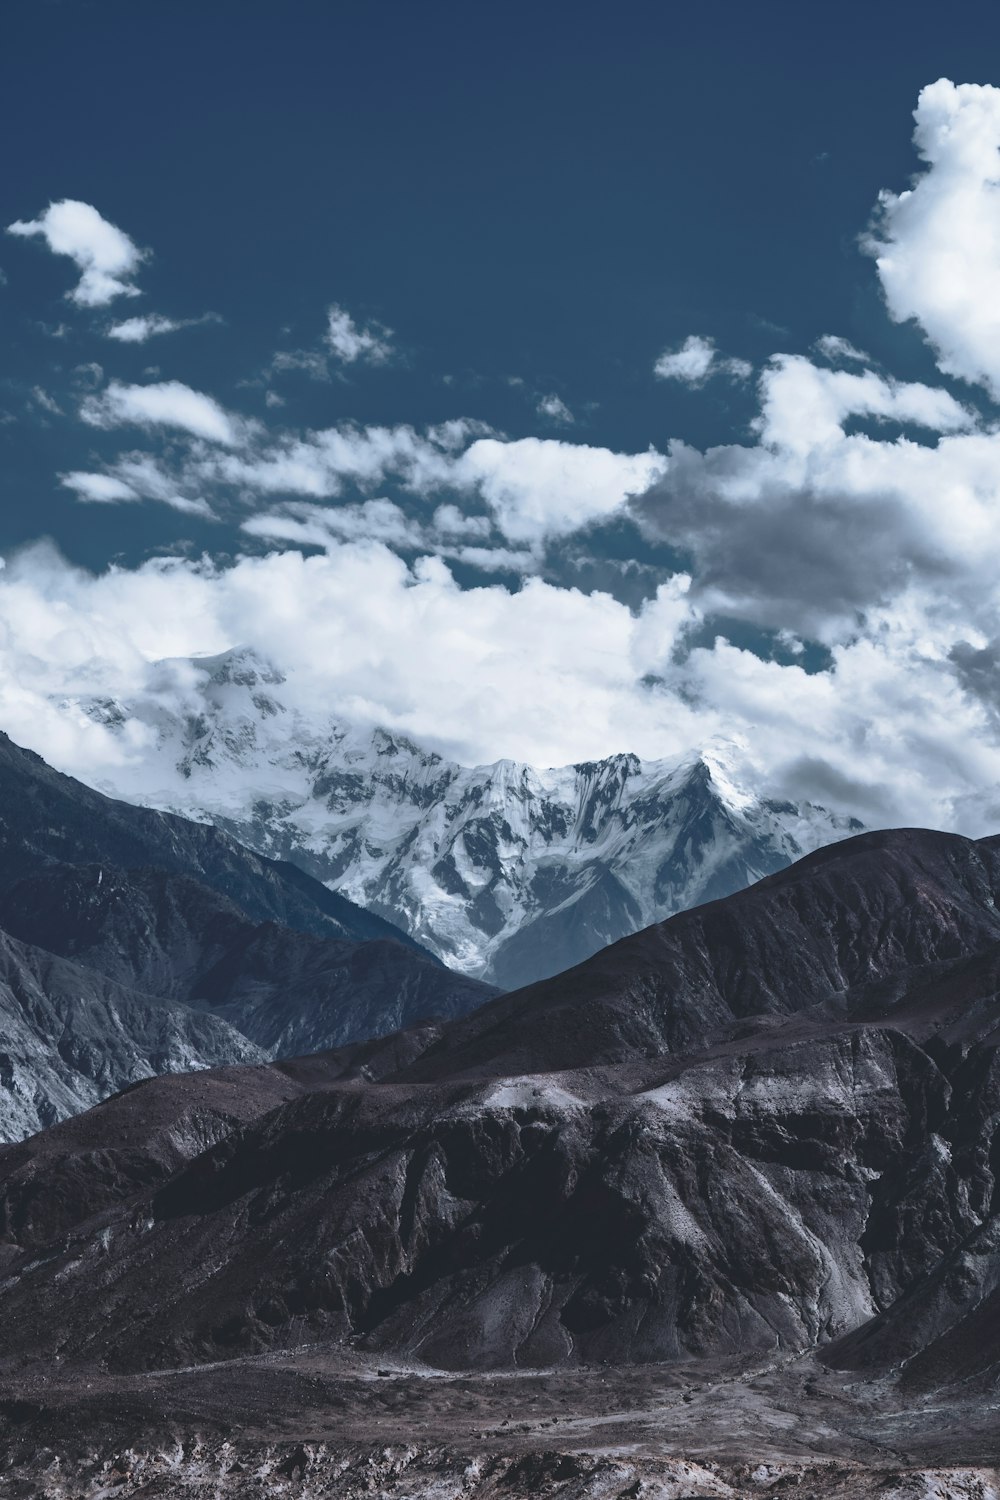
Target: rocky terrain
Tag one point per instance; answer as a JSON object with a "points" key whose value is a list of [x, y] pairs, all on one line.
{"points": [[508, 872], [134, 942], [714, 1213]]}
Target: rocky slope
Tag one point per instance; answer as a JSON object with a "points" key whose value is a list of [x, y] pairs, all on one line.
{"points": [[762, 1128], [134, 943], [507, 872]]}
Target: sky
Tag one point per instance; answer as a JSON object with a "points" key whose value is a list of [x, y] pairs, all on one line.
{"points": [[539, 381]]}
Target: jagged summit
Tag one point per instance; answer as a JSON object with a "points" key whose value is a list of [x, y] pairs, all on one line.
{"points": [[506, 871]]}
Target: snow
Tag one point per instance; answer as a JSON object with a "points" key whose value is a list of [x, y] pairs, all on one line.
{"points": [[530, 1093], [463, 857]]}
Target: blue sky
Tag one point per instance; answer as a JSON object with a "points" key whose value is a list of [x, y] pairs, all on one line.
{"points": [[425, 264]]}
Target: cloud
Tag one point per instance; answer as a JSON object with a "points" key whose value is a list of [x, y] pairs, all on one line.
{"points": [[149, 325], [319, 526], [805, 406], [134, 477], [106, 256], [538, 488], [534, 488], [48, 403], [937, 245], [813, 526], [166, 404], [349, 343], [833, 613], [323, 463], [834, 347], [697, 360], [100, 489], [344, 342], [310, 361], [450, 534], [555, 409], [538, 672], [358, 632]]}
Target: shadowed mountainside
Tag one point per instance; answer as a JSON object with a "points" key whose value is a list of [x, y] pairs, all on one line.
{"points": [[134, 943], [769, 1124]]}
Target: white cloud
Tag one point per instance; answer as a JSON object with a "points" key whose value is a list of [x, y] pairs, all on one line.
{"points": [[834, 347], [322, 463], [696, 361], [535, 488], [165, 404], [133, 477], [47, 403], [138, 330], [149, 325], [542, 487], [358, 631], [538, 672], [449, 521], [106, 256], [450, 534], [349, 343], [859, 516], [321, 525], [937, 245], [310, 361], [101, 489], [555, 409], [805, 406]]}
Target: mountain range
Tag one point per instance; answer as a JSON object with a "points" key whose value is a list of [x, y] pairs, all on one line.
{"points": [[507, 872], [134, 942], [756, 1142]]}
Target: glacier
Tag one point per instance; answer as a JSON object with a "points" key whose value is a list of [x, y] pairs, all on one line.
{"points": [[508, 872]]}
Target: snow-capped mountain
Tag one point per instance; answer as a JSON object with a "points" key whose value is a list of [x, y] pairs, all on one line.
{"points": [[507, 872]]}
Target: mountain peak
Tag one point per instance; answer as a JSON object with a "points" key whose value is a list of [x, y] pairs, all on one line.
{"points": [[506, 871], [241, 666]]}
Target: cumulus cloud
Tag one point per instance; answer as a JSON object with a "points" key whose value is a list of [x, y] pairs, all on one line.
{"points": [[937, 245], [542, 487], [167, 403], [350, 343], [358, 631], [538, 672], [106, 256], [859, 515], [697, 360], [813, 526]]}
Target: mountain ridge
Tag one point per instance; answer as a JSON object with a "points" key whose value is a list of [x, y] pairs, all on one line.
{"points": [[507, 872], [732, 1133], [134, 942]]}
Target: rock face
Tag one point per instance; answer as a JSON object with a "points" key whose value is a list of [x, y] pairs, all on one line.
{"points": [[134, 943], [507, 872], [763, 1126]]}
